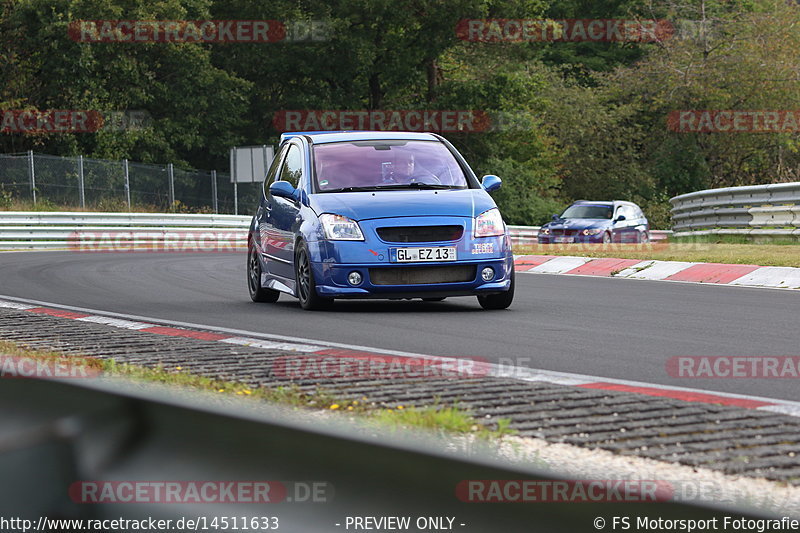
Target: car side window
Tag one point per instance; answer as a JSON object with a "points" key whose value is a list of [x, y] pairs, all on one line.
{"points": [[292, 167], [273, 170]]}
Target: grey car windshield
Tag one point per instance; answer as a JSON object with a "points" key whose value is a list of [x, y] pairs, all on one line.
{"points": [[390, 164], [588, 211]]}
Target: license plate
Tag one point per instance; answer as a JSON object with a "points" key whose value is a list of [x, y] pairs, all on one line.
{"points": [[565, 239], [415, 255]]}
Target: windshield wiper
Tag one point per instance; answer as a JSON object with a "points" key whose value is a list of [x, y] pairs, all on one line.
{"points": [[394, 186], [353, 189], [416, 185]]}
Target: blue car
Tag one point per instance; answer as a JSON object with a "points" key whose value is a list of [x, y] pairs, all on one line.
{"points": [[377, 215], [597, 222]]}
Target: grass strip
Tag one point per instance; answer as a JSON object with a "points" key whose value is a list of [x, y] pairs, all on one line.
{"points": [[451, 419]]}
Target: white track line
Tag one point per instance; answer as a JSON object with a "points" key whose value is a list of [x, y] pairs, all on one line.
{"points": [[305, 345]]}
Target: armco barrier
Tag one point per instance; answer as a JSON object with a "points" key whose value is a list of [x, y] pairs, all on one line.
{"points": [[56, 435], [57, 230], [757, 210], [61, 230]]}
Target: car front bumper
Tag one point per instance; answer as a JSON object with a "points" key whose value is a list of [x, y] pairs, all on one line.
{"points": [[581, 238], [332, 280]]}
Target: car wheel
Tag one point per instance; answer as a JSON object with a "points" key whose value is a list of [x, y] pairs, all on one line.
{"points": [[257, 292], [499, 301], [606, 238], [433, 299], [306, 286], [644, 237]]}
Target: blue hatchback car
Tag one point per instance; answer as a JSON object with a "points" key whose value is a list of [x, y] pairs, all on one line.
{"points": [[597, 222], [377, 215]]}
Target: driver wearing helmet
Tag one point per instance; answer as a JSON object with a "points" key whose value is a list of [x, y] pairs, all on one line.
{"points": [[405, 169]]}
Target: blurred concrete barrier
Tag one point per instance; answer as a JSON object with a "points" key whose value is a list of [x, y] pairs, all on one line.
{"points": [[60, 442]]}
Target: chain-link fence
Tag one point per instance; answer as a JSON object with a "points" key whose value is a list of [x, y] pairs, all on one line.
{"points": [[80, 182]]}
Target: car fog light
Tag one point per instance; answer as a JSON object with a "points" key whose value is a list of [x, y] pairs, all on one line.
{"points": [[487, 274], [354, 278]]}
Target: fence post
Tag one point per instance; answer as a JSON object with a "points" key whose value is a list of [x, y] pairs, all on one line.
{"points": [[81, 188], [127, 183], [32, 175], [235, 198], [171, 187], [214, 190]]}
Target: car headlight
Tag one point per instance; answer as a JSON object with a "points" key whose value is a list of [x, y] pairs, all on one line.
{"points": [[545, 231], [595, 231], [489, 224], [339, 228]]}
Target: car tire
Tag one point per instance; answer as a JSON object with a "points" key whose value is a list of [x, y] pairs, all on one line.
{"points": [[644, 237], [499, 301], [257, 292], [305, 284], [607, 239]]}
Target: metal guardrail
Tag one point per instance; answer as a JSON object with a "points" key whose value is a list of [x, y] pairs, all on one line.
{"points": [[58, 230], [758, 210], [55, 434]]}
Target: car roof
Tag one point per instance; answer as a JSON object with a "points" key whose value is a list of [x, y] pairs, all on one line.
{"points": [[590, 202], [604, 202], [321, 137]]}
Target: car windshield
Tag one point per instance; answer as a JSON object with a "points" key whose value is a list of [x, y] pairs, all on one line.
{"points": [[374, 165], [588, 211]]}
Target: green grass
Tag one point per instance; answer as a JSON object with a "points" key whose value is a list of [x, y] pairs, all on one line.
{"points": [[699, 252], [110, 205], [736, 239], [451, 419]]}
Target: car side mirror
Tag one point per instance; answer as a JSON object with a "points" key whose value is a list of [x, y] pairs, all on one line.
{"points": [[620, 218], [490, 183], [283, 189], [556, 218]]}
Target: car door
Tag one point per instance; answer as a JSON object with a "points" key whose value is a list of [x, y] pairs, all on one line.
{"points": [[625, 229], [640, 225], [285, 213], [263, 220]]}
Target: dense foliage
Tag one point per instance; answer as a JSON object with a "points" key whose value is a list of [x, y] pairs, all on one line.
{"points": [[590, 119]]}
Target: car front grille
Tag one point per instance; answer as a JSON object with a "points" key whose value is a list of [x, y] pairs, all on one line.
{"points": [[421, 233], [565, 232], [422, 275]]}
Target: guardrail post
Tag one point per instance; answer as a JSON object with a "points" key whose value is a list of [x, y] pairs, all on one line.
{"points": [[171, 175], [214, 191], [127, 183], [81, 188], [32, 175]]}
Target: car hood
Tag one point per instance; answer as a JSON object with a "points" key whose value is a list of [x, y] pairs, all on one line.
{"points": [[390, 204], [578, 223]]}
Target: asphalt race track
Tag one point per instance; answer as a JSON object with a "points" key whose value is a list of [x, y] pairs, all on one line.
{"points": [[615, 328]]}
